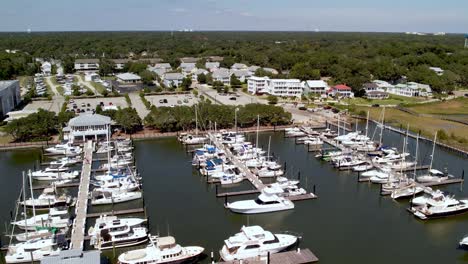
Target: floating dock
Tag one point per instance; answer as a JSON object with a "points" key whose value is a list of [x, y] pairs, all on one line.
{"points": [[301, 256], [78, 229]]}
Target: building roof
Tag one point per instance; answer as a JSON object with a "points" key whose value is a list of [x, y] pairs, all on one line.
{"points": [[215, 58], [163, 65], [370, 85], [316, 83], [200, 71], [210, 65], [241, 73], [173, 76], [74, 256], [189, 59], [253, 68], [238, 66], [6, 84], [221, 73], [87, 61], [376, 93], [151, 60], [120, 61], [342, 87], [128, 76], [88, 119]]}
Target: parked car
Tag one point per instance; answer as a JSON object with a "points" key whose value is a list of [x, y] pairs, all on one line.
{"points": [[233, 98]]}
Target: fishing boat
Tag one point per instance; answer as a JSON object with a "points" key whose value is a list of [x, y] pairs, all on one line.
{"points": [[254, 241], [161, 250]]}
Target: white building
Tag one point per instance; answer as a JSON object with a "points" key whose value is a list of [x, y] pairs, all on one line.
{"points": [[173, 79], [211, 66], [92, 77], [239, 66], [9, 96], [383, 85], [242, 75], [342, 91], [277, 87], [315, 86], [119, 64], [411, 89], [46, 68], [87, 64], [437, 70], [86, 126], [222, 75], [128, 78], [187, 67]]}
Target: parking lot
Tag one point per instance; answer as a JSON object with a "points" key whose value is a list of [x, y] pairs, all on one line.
{"points": [[172, 100], [52, 105], [89, 104], [238, 98]]}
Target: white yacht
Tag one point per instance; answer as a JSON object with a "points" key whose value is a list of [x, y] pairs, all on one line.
{"points": [[54, 219], [433, 176], [406, 192], [54, 176], [110, 231], [254, 241], [233, 179], [313, 141], [464, 242], [440, 208], [32, 250], [65, 149], [194, 140], [104, 197], [267, 201], [363, 167], [429, 194], [161, 250], [65, 161], [48, 199], [267, 172]]}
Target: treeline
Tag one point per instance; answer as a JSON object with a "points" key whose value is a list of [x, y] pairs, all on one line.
{"points": [[351, 58], [169, 119]]}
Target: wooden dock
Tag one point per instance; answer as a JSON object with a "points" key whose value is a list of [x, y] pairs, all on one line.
{"points": [[302, 197], [440, 183], [301, 256], [229, 194], [421, 167], [118, 212], [78, 231]]}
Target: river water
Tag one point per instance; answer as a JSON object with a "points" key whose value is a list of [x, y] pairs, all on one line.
{"points": [[349, 222]]}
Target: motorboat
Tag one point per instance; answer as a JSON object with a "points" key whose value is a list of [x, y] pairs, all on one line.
{"points": [[433, 176], [32, 250], [429, 194], [406, 192], [54, 219], [65, 161], [54, 176], [193, 140], [363, 167], [267, 201], [313, 141], [254, 241], [267, 172], [348, 162], [161, 250], [232, 179], [110, 231], [446, 206], [61, 168], [65, 149], [464, 242], [47, 200], [106, 197], [402, 164]]}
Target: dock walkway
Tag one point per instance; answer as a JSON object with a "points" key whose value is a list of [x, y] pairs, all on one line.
{"points": [[78, 231], [290, 257]]}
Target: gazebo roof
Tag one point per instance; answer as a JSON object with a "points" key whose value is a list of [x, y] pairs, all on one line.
{"points": [[90, 120]]}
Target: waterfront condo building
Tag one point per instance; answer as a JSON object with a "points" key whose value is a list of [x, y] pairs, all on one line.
{"points": [[277, 87]]}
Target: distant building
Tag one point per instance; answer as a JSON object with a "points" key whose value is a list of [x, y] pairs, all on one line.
{"points": [[376, 95], [315, 86], [187, 67], [341, 90], [222, 75], [253, 68], [411, 89], [239, 66], [437, 70], [277, 87], [173, 79], [92, 77], [119, 64], [128, 78], [382, 85], [211, 66], [87, 126], [189, 60], [87, 64], [74, 256], [9, 96], [197, 72], [46, 68], [215, 58], [242, 75]]}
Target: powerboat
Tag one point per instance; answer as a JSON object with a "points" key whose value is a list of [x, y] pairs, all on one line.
{"points": [[54, 219], [47, 200], [65, 149], [433, 176], [32, 250], [446, 206], [161, 250], [267, 201], [254, 241], [406, 192], [54, 176], [106, 197]]}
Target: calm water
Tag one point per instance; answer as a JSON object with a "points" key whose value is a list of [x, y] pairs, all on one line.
{"points": [[349, 222]]}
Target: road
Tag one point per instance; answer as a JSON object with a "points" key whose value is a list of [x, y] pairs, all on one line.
{"points": [[86, 84], [138, 104], [241, 98]]}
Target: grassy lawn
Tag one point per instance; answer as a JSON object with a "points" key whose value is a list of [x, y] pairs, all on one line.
{"points": [[457, 106], [53, 80], [4, 138], [427, 125], [392, 100], [99, 87], [60, 89], [109, 78]]}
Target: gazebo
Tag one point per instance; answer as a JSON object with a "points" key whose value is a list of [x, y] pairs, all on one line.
{"points": [[87, 126]]}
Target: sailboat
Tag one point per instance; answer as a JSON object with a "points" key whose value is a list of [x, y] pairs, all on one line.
{"points": [[433, 175]]}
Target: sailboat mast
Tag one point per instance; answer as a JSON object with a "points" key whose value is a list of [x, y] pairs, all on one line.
{"points": [[382, 127], [338, 124], [367, 123], [24, 205], [196, 121], [433, 150], [32, 195], [269, 143], [258, 128], [109, 150], [416, 156]]}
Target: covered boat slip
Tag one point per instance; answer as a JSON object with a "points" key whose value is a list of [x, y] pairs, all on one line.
{"points": [[300, 256]]}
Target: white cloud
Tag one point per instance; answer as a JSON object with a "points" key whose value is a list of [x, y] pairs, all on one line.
{"points": [[179, 10]]}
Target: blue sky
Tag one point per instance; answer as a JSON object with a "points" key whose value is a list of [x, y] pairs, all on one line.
{"points": [[324, 15]]}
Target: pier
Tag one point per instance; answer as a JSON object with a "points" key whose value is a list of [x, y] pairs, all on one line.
{"points": [[78, 229], [300, 256]]}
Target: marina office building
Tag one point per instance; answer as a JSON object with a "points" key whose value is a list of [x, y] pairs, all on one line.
{"points": [[9, 96], [87, 126]]}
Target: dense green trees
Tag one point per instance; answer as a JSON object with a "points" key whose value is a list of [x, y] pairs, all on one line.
{"points": [[35, 127], [183, 117], [106, 67], [201, 78], [304, 71], [351, 58], [126, 118], [147, 77], [186, 83], [235, 82]]}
